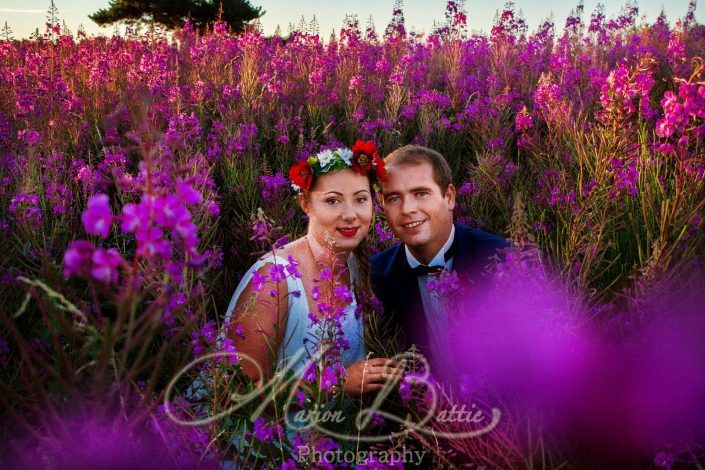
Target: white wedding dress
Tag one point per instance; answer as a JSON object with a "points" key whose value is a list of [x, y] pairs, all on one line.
{"points": [[300, 333], [302, 338]]}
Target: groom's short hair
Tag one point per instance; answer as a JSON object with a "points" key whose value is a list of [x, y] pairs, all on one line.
{"points": [[412, 155]]}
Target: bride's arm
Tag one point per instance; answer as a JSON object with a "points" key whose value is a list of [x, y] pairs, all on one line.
{"points": [[262, 315]]}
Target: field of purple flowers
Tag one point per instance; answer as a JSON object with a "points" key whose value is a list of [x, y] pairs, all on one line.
{"points": [[133, 170]]}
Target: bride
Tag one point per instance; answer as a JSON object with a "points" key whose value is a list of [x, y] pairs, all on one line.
{"points": [[288, 299]]}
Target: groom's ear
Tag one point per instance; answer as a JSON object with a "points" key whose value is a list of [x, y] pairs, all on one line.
{"points": [[450, 196]]}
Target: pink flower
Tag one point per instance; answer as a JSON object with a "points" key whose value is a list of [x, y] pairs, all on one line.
{"points": [[328, 378], [151, 243], [170, 211], [97, 217], [230, 349], [132, 215], [258, 281], [105, 264], [523, 122], [187, 230], [187, 194], [30, 136], [213, 209], [77, 258]]}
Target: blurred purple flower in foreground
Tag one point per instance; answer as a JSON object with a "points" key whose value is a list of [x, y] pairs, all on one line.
{"points": [[97, 217]]}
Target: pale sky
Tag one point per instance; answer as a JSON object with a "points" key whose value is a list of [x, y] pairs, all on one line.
{"points": [[24, 16]]}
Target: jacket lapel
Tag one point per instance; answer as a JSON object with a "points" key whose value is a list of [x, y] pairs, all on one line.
{"points": [[408, 300]]}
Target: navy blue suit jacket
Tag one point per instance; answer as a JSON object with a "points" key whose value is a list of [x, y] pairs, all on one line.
{"points": [[397, 287]]}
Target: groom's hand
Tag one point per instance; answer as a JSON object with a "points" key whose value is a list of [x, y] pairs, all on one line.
{"points": [[371, 375]]}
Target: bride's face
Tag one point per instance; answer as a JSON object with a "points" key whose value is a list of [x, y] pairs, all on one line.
{"points": [[339, 205]]}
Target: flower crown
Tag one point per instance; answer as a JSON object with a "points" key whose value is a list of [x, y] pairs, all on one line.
{"points": [[363, 158]]}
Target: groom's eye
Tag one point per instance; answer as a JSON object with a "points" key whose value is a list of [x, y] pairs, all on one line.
{"points": [[392, 199]]}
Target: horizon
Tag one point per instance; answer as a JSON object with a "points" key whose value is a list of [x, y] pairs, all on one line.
{"points": [[419, 16]]}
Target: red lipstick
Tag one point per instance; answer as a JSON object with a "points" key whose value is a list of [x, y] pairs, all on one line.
{"points": [[348, 231]]}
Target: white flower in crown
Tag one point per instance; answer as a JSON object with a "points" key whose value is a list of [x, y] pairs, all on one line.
{"points": [[346, 155], [295, 187], [325, 157]]}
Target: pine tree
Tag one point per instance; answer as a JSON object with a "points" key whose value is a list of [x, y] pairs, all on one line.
{"points": [[302, 25], [174, 13], [278, 31]]}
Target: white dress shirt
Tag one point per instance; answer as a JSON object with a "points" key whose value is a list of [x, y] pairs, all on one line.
{"points": [[437, 318]]}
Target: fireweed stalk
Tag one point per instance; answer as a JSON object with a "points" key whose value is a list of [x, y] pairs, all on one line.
{"points": [[143, 288], [268, 422]]}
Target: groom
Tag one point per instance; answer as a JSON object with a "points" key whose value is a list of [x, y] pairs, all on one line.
{"points": [[418, 200]]}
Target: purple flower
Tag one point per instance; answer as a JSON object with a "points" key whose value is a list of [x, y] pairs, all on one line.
{"points": [[26, 208], [523, 122], [328, 378], [30, 136], [169, 211], [77, 258], [343, 293], [188, 231], [151, 243], [273, 186], [187, 194], [276, 273], [213, 209], [664, 460], [262, 431], [231, 350], [292, 268], [60, 197], [627, 177], [382, 235], [326, 275], [309, 375], [132, 216], [97, 217], [208, 332], [105, 264], [258, 281], [445, 284], [300, 398]]}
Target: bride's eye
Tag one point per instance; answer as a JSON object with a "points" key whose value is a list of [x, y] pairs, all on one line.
{"points": [[331, 201], [361, 200]]}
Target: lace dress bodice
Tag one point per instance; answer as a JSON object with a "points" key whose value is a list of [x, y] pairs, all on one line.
{"points": [[300, 330]]}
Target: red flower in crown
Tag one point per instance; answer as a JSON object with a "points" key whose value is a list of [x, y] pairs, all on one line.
{"points": [[364, 153], [301, 175], [380, 169]]}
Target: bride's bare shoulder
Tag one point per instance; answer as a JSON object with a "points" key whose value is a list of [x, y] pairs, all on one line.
{"points": [[293, 249]]}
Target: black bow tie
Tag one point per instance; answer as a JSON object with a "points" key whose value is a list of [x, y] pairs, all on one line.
{"points": [[423, 270]]}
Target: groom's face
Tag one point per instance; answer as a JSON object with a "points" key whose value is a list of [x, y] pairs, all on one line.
{"points": [[418, 211]]}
